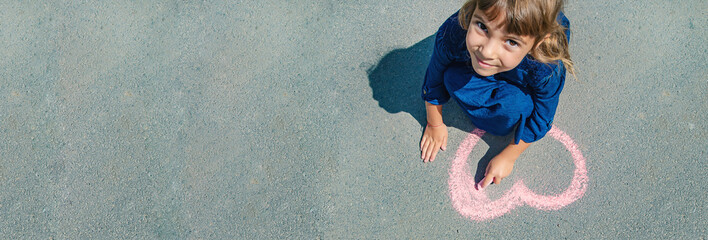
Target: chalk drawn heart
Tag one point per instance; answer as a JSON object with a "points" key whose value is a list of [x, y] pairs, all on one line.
{"points": [[474, 203]]}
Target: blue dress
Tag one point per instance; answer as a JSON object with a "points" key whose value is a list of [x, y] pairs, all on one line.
{"points": [[522, 99]]}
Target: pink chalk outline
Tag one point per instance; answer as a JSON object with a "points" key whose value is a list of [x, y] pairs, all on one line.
{"points": [[476, 205]]}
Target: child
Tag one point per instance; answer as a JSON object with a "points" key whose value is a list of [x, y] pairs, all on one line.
{"points": [[504, 61]]}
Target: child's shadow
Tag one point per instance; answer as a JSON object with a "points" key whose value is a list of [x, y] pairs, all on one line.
{"points": [[396, 83]]}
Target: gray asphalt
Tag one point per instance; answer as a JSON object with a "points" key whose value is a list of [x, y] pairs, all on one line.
{"points": [[301, 119]]}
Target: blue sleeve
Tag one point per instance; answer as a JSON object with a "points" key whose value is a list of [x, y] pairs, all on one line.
{"points": [[546, 94], [434, 90]]}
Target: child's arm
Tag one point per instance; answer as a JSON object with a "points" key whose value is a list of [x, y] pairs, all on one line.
{"points": [[435, 135], [434, 92], [501, 165]]}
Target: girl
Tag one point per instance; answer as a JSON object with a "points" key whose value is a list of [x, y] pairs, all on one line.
{"points": [[504, 62]]}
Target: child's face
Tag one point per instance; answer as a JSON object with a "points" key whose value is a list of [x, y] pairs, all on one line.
{"points": [[491, 49]]}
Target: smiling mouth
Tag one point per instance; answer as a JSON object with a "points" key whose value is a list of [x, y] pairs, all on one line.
{"points": [[482, 63]]}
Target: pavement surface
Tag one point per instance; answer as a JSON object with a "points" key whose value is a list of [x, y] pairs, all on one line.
{"points": [[301, 120]]}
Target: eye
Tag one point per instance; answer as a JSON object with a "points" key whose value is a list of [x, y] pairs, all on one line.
{"points": [[512, 43], [481, 26]]}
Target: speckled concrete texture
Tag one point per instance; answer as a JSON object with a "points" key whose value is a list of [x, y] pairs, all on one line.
{"points": [[301, 120]]}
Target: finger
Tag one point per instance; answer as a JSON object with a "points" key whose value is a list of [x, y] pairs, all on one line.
{"points": [[431, 149], [444, 145], [425, 149], [422, 141], [486, 181], [497, 180], [435, 152]]}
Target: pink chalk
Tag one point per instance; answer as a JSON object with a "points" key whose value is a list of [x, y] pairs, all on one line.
{"points": [[474, 203]]}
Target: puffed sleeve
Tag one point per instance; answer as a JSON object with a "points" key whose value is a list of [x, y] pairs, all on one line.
{"points": [[545, 95], [433, 90]]}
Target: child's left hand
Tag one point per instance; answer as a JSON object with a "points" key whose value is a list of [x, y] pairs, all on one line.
{"points": [[497, 169]]}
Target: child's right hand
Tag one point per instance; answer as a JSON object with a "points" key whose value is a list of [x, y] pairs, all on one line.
{"points": [[434, 139]]}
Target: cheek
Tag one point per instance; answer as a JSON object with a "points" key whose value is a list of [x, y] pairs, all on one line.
{"points": [[511, 60], [471, 40]]}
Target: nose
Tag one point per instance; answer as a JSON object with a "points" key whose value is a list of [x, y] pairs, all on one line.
{"points": [[489, 49]]}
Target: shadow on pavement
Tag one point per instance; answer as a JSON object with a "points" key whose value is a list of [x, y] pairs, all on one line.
{"points": [[396, 84], [397, 79]]}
